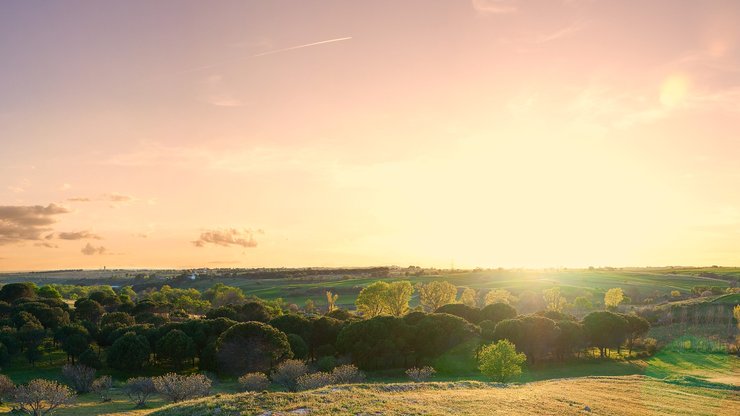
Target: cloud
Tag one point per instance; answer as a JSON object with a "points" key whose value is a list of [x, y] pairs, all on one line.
{"points": [[65, 187], [21, 223], [226, 238], [79, 235], [117, 198], [110, 197], [46, 244], [495, 6], [90, 250]]}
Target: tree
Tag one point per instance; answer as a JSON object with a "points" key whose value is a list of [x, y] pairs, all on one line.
{"points": [[88, 310], [605, 330], [129, 352], [570, 338], [139, 389], [298, 345], [436, 294], [553, 300], [79, 377], [499, 296], [222, 295], [175, 347], [372, 301], [497, 312], [310, 306], [251, 346], [636, 327], [398, 296], [74, 339], [469, 297], [176, 387], [500, 361], [470, 314], [675, 294], [331, 301], [41, 397], [613, 298], [253, 311], [49, 291], [582, 304], [14, 291]]}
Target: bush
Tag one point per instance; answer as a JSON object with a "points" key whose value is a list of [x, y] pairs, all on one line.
{"points": [[41, 397], [80, 377], [650, 345], [347, 374], [102, 386], [326, 363], [176, 387], [254, 382], [420, 374], [314, 381], [139, 389], [6, 387], [286, 373], [500, 361]]}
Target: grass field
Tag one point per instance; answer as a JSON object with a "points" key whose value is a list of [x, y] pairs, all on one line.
{"points": [[626, 395], [573, 282]]}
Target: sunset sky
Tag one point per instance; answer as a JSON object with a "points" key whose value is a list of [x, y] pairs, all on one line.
{"points": [[179, 134]]}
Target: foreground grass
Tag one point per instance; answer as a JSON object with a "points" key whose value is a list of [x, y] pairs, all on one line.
{"points": [[626, 395]]}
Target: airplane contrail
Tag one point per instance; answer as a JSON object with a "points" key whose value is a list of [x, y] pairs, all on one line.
{"points": [[301, 46], [202, 68]]}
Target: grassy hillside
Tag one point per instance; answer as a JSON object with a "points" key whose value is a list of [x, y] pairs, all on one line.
{"points": [[628, 395]]}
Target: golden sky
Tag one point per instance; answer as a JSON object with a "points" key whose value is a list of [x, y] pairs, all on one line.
{"points": [[346, 133]]}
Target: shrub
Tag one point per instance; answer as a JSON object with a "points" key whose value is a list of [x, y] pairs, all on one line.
{"points": [[102, 386], [420, 374], [314, 381], [347, 374], [286, 373], [80, 377], [254, 382], [326, 363], [139, 389], [6, 387], [41, 397], [500, 361], [176, 387], [651, 345]]}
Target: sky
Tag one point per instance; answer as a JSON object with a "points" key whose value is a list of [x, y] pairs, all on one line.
{"points": [[483, 133]]}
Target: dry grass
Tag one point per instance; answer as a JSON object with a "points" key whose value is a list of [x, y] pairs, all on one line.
{"points": [[628, 395]]}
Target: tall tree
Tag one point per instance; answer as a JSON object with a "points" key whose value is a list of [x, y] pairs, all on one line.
{"points": [[398, 296], [436, 294], [469, 297], [613, 297], [553, 300], [372, 300]]}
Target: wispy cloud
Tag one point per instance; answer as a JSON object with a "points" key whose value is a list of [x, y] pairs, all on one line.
{"points": [[21, 223], [109, 197], [227, 237]]}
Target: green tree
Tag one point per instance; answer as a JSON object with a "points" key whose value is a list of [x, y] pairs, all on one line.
{"points": [[436, 294], [500, 361], [499, 296], [49, 291], [251, 346], [398, 296], [553, 300], [469, 297], [582, 304], [371, 301], [129, 352], [605, 330], [175, 347], [613, 298]]}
